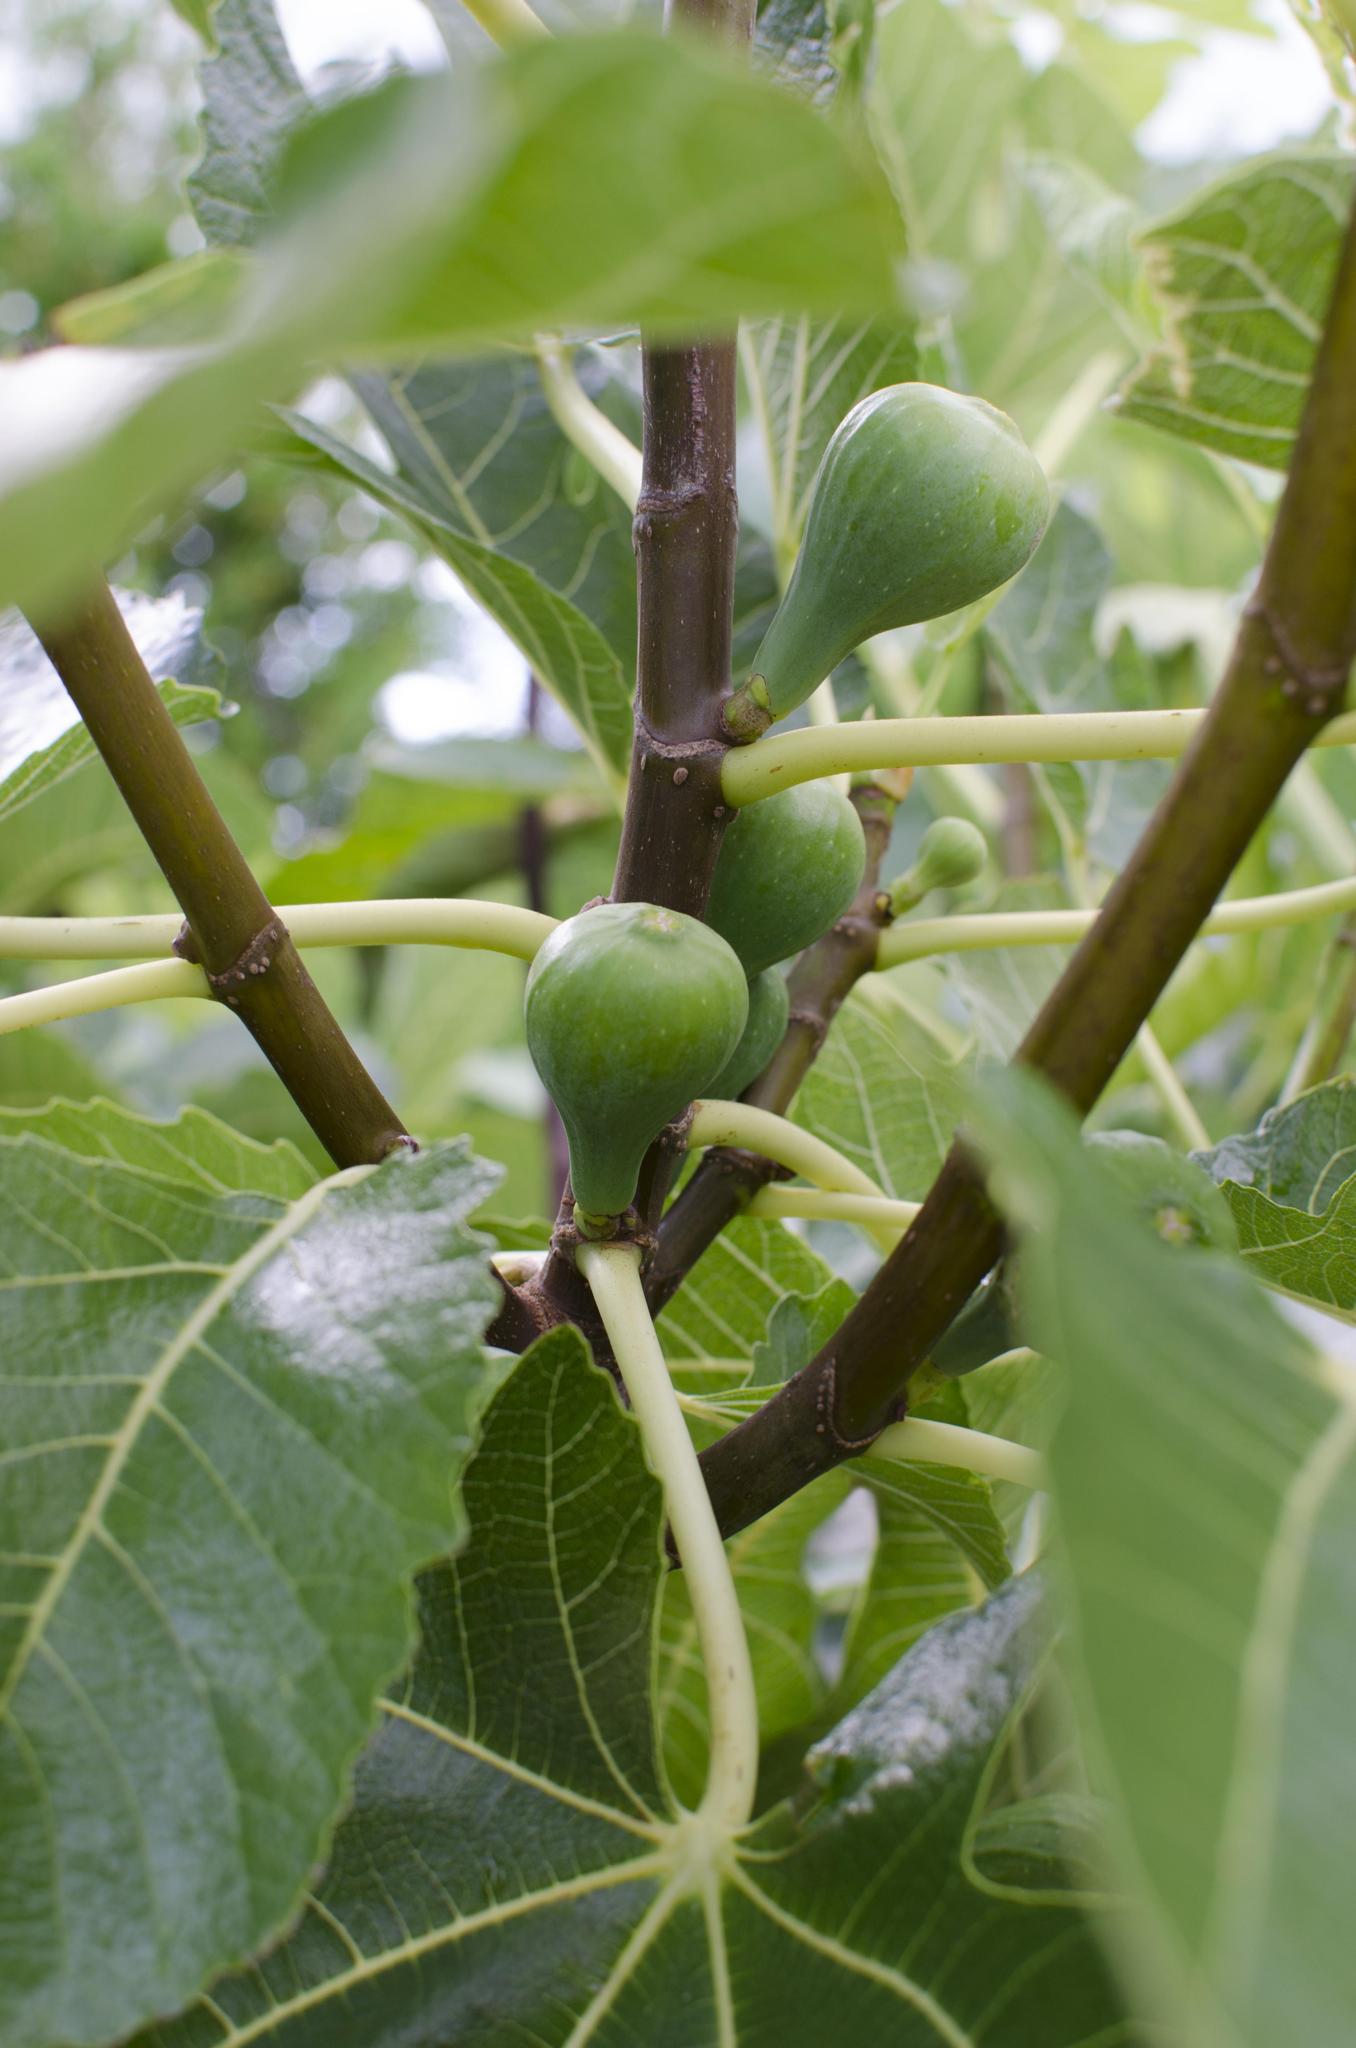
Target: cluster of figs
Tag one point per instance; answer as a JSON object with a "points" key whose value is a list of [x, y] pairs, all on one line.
{"points": [[925, 500]]}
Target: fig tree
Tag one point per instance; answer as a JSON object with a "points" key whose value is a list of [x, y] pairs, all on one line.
{"points": [[631, 1010], [768, 1004], [924, 500], [788, 869]]}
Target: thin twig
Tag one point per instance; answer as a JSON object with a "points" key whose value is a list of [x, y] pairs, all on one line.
{"points": [[233, 932]]}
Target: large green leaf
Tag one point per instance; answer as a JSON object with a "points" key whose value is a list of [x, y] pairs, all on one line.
{"points": [[232, 1429], [721, 1311], [1205, 1471], [546, 621], [195, 1148], [444, 213], [513, 1867], [41, 737], [883, 1093], [1299, 1155], [1291, 1185], [1243, 274], [803, 376], [1033, 290]]}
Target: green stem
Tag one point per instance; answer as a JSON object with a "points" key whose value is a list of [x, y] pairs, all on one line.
{"points": [[616, 459], [1178, 1104], [951, 790], [921, 1443], [507, 22], [923, 937], [828, 1205], [763, 1131], [613, 1273], [153, 983], [781, 760], [1334, 1012], [232, 930], [947, 1443], [412, 920]]}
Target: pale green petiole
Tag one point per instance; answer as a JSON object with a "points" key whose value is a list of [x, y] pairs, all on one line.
{"points": [[781, 760], [828, 1205], [761, 1130], [430, 921], [920, 938], [613, 1274], [412, 920], [616, 459]]}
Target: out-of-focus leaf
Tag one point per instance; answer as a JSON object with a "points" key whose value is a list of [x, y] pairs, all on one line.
{"points": [[36, 1065], [1041, 637], [1243, 274], [225, 1452], [41, 736], [1205, 1470], [883, 1093], [1034, 300], [442, 213]]}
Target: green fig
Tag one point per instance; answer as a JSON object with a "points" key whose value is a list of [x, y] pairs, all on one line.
{"points": [[631, 1011], [952, 852], [924, 501], [788, 869], [768, 1007]]}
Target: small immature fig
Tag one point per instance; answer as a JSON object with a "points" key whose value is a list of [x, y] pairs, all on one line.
{"points": [[768, 1007], [631, 1011], [951, 853], [924, 501], [788, 869]]}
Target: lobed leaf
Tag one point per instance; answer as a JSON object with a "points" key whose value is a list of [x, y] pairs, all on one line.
{"points": [[455, 202], [225, 1451], [1243, 274], [1205, 1471], [513, 1865]]}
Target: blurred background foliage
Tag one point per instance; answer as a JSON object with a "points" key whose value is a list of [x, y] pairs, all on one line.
{"points": [[388, 738]]}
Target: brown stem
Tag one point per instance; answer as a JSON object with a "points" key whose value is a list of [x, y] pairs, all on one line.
{"points": [[1286, 678], [685, 531], [250, 961], [820, 982], [686, 527]]}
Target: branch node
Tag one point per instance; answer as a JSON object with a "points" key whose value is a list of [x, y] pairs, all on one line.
{"points": [[813, 1021], [254, 960], [1322, 686], [826, 1403]]}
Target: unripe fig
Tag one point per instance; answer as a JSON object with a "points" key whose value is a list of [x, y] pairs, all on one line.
{"points": [[788, 869], [924, 501], [768, 1007], [631, 1011], [951, 853]]}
